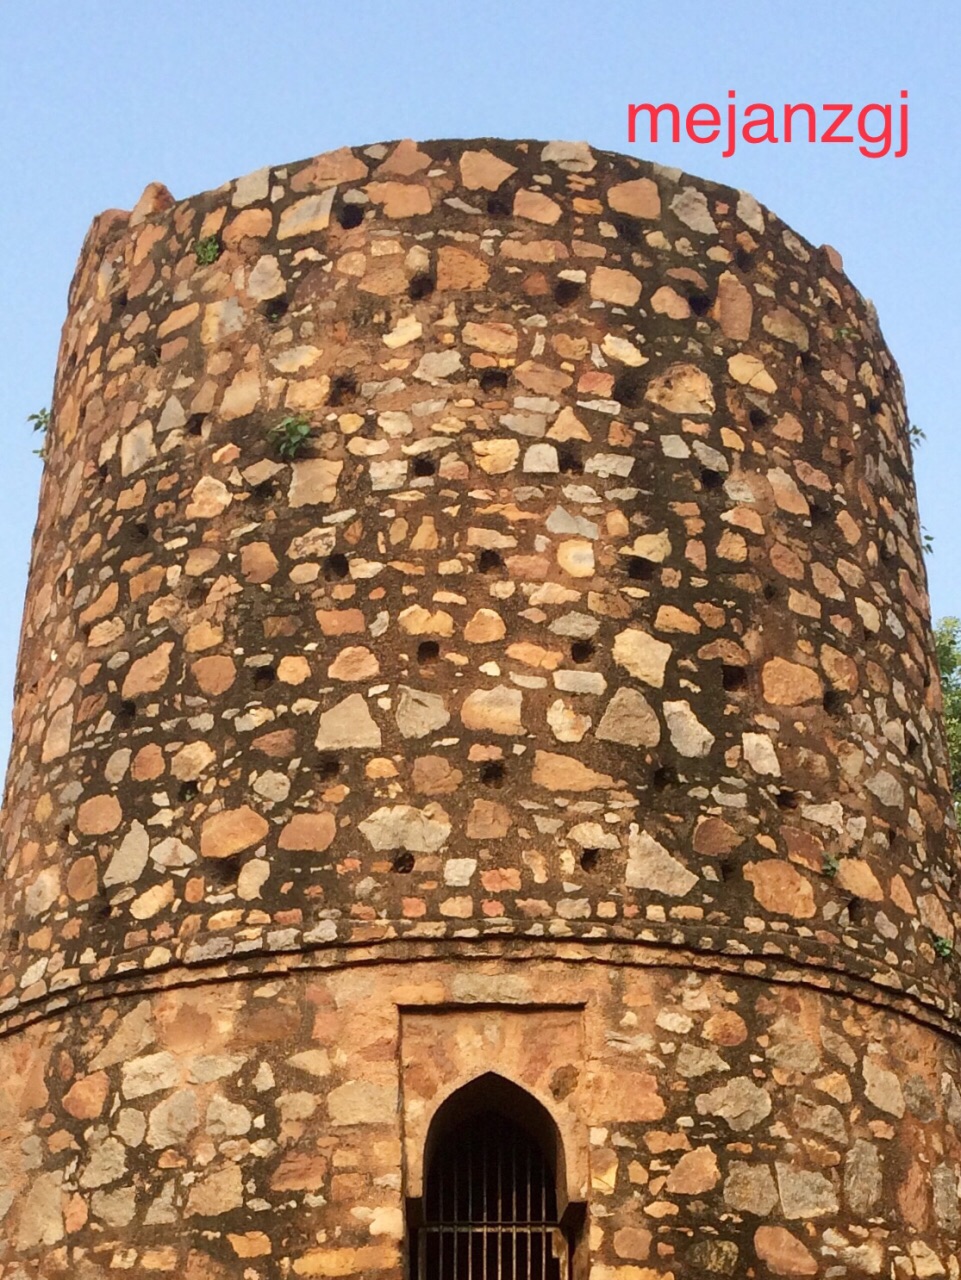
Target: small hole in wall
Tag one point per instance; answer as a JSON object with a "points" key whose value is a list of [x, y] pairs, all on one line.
{"points": [[809, 361], [834, 702], [403, 863], [630, 230], [628, 387], [769, 591], [726, 869], [101, 908], [589, 859], [820, 511], [342, 388], [582, 651], [733, 677], [875, 405], [758, 418], [195, 424], [274, 309], [499, 205], [912, 744], [127, 713], [665, 775], [640, 569], [421, 286], [494, 379], [711, 479], [700, 303], [786, 799], [142, 529], [350, 216], [743, 259], [264, 677], [428, 651], [568, 462], [856, 910], [188, 791], [424, 466], [492, 773], [223, 871], [328, 767], [336, 566], [566, 292], [490, 561]]}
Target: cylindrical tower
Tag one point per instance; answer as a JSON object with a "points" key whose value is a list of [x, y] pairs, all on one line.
{"points": [[476, 685]]}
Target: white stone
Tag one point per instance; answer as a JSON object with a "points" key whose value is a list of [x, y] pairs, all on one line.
{"points": [[688, 736]]}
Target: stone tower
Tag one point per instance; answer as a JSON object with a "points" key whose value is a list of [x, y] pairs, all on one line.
{"points": [[544, 750]]}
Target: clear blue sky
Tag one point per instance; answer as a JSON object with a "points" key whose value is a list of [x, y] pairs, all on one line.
{"points": [[97, 99]]}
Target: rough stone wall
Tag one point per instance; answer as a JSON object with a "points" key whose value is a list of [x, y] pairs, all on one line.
{"points": [[728, 1127], [592, 616]]}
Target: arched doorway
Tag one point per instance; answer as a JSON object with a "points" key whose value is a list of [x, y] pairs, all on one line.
{"points": [[490, 1207]]}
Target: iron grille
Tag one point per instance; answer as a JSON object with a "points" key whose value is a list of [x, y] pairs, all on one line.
{"points": [[490, 1207]]}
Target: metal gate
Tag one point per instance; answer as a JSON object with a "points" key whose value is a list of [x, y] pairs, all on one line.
{"points": [[490, 1207]]}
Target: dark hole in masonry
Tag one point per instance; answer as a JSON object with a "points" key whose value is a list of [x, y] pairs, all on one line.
{"points": [[892, 835], [350, 216], [769, 591], [128, 712], [275, 309], [820, 511], [743, 259], [65, 831], [855, 909], [808, 360], [187, 791], [665, 775], [403, 862], [590, 858], [336, 566], [630, 230], [834, 702], [700, 303], [886, 554], [567, 291], [493, 379], [582, 651], [195, 424], [264, 676], [733, 677], [490, 561], [424, 466], [142, 529], [264, 491], [15, 939], [629, 387], [640, 569], [151, 354], [568, 462], [758, 418], [726, 868], [119, 302], [711, 479], [328, 767], [103, 472], [102, 908], [420, 286], [499, 205], [223, 871], [913, 745], [875, 405], [343, 387], [492, 773], [428, 651], [786, 799]]}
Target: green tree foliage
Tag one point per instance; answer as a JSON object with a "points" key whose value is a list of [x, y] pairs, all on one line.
{"points": [[947, 636]]}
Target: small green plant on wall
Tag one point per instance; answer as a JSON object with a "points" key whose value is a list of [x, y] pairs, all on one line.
{"points": [[290, 434], [207, 250], [831, 865], [943, 947], [40, 421]]}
